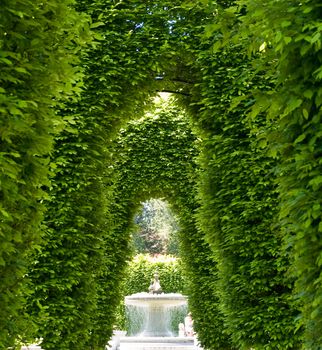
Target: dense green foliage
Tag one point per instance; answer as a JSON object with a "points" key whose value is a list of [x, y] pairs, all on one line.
{"points": [[72, 260], [157, 161], [285, 43], [239, 203], [35, 82], [292, 33], [201, 272], [249, 73], [77, 271], [237, 214], [141, 269]]}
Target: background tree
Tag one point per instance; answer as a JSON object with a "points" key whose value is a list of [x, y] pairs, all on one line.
{"points": [[156, 229]]}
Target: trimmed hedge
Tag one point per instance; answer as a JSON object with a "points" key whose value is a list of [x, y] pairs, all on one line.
{"points": [[259, 187], [141, 269], [293, 57], [77, 272], [239, 198], [35, 83]]}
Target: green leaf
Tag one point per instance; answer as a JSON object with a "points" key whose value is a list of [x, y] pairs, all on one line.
{"points": [[21, 70], [6, 61], [316, 37], [299, 139], [97, 24], [315, 182], [305, 113]]}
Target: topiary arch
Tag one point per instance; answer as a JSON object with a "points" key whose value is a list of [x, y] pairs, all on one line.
{"points": [[156, 158], [146, 47], [258, 176], [152, 157]]}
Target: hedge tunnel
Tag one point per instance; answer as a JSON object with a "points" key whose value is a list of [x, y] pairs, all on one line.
{"points": [[73, 75], [159, 161]]}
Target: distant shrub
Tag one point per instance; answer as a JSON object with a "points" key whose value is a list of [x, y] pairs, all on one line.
{"points": [[142, 268]]}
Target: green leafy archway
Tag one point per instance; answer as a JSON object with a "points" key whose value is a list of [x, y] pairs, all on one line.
{"points": [[54, 131], [155, 157]]}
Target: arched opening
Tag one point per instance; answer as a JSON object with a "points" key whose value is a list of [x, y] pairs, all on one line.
{"points": [[158, 160], [155, 246], [230, 230]]}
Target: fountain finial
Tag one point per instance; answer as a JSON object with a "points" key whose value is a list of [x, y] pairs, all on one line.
{"points": [[155, 287]]}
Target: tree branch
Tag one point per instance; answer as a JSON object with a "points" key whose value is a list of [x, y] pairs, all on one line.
{"points": [[174, 92], [176, 80]]}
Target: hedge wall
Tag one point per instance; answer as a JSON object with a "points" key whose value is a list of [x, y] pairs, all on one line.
{"points": [[239, 199], [292, 56], [141, 269], [76, 274], [238, 213], [35, 83]]}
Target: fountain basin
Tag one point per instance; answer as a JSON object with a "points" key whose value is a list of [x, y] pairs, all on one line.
{"points": [[164, 299], [156, 308]]}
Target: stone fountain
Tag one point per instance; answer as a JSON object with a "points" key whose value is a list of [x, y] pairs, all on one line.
{"points": [[155, 333], [157, 306]]}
